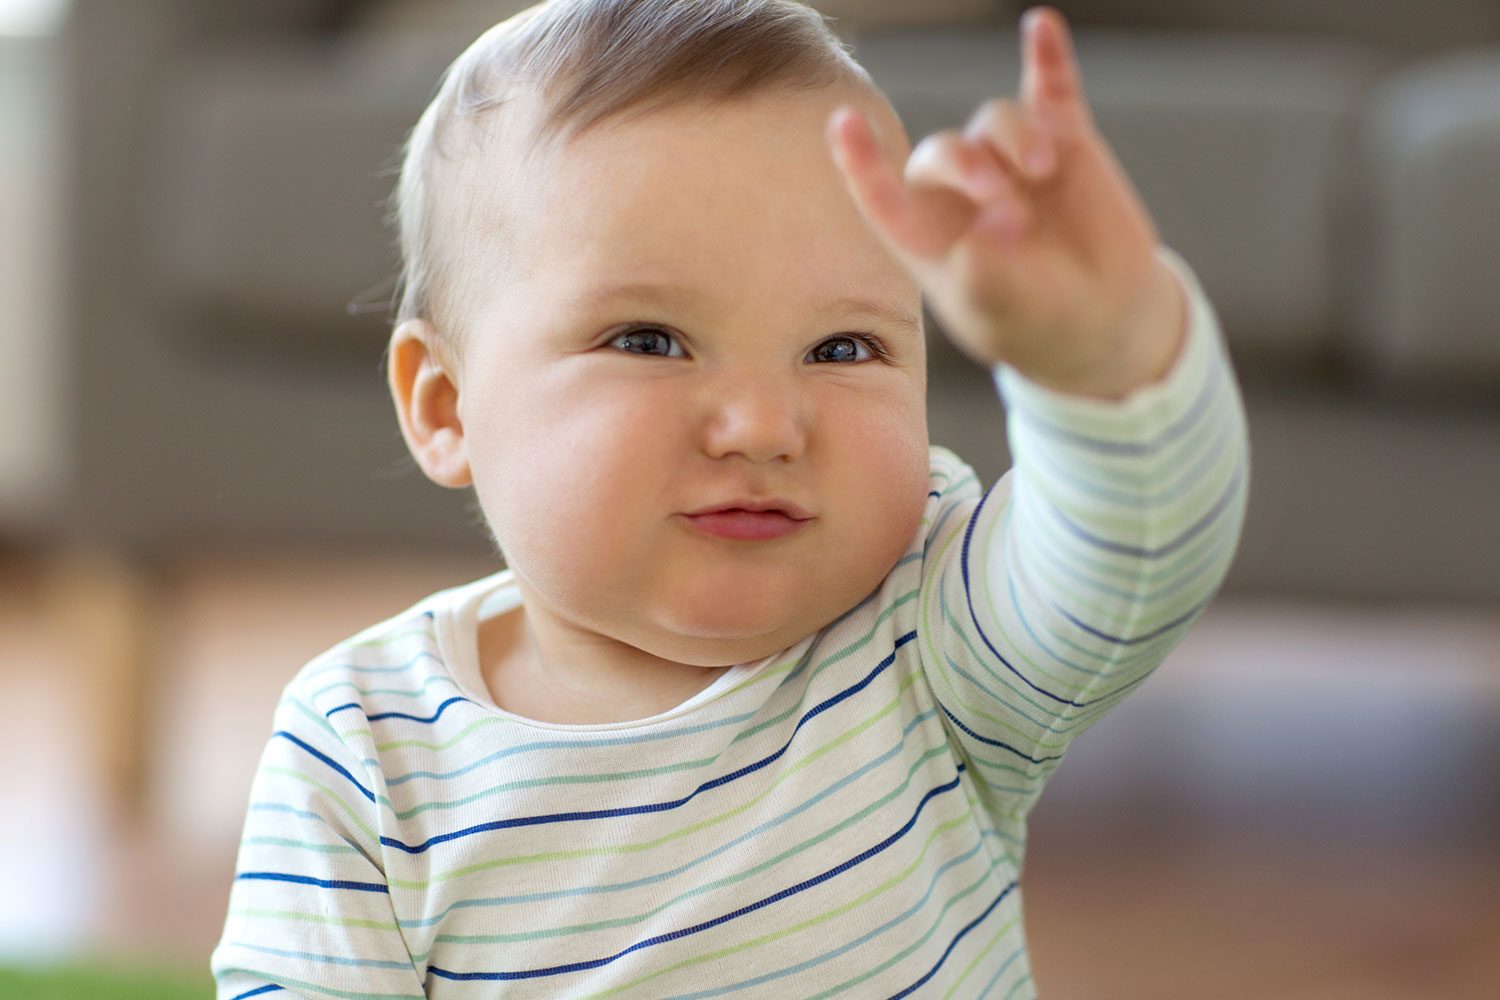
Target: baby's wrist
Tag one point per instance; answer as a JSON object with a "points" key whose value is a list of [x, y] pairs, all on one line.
{"points": [[1140, 352]]}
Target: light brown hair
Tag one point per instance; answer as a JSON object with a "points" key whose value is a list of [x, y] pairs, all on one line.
{"points": [[586, 61]]}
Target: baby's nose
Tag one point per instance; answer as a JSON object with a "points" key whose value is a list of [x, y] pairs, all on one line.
{"points": [[759, 419]]}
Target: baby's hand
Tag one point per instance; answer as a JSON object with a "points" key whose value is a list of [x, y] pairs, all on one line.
{"points": [[1025, 233]]}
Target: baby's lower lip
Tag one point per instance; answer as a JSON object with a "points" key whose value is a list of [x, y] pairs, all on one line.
{"points": [[745, 525]]}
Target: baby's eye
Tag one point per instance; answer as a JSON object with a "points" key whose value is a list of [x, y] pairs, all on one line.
{"points": [[840, 349], [649, 340]]}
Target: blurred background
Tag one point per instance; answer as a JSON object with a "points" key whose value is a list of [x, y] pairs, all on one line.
{"points": [[202, 483]]}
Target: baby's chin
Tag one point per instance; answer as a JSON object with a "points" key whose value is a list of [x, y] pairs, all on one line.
{"points": [[719, 649], [727, 639]]}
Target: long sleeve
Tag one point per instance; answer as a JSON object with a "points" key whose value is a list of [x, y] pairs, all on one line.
{"points": [[1050, 598], [310, 912]]}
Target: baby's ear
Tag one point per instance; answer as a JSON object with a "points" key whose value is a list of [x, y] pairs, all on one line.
{"points": [[426, 397]]}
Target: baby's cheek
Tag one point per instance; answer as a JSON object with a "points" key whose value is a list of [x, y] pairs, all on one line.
{"points": [[892, 455]]}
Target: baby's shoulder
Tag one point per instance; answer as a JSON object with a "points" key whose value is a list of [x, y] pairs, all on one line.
{"points": [[393, 665], [949, 478]]}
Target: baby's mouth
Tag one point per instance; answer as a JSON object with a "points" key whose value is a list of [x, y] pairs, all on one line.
{"points": [[755, 521]]}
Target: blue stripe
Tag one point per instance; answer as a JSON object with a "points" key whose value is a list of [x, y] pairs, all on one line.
{"points": [[1053, 718], [935, 530], [995, 743], [1120, 641], [258, 991], [1014, 581], [954, 666], [327, 760], [656, 807], [1001, 971], [400, 715], [979, 629], [566, 745], [309, 880], [751, 834], [257, 806], [1136, 448], [844, 949], [954, 944], [816, 880], [1204, 561], [1197, 528], [974, 615], [355, 963], [1139, 484]]}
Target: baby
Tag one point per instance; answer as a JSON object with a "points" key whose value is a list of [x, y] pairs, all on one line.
{"points": [[761, 704]]}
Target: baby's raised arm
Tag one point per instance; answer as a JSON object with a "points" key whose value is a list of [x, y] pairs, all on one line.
{"points": [[1047, 600]]}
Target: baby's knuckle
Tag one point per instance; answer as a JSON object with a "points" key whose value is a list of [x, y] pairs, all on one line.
{"points": [[995, 113], [934, 150]]}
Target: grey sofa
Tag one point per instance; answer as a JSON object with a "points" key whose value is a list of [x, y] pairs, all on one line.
{"points": [[1331, 169]]}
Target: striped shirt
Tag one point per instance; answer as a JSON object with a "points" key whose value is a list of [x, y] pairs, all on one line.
{"points": [[844, 818]]}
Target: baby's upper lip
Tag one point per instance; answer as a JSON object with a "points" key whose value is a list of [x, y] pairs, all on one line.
{"points": [[758, 504]]}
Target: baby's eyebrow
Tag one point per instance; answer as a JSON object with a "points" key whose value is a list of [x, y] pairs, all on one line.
{"points": [[886, 312], [883, 312], [642, 291]]}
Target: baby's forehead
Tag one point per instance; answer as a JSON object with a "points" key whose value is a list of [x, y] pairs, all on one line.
{"points": [[514, 191], [523, 142]]}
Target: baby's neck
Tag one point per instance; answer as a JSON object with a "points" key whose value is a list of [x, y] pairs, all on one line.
{"points": [[576, 680]]}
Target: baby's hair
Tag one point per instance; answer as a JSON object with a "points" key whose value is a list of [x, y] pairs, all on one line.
{"points": [[588, 60]]}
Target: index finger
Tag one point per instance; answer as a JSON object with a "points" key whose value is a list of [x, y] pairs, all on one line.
{"points": [[1051, 84], [881, 194]]}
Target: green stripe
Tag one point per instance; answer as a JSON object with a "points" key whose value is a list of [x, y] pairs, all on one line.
{"points": [[557, 779], [302, 845], [319, 719], [983, 664], [644, 772], [281, 980], [936, 660], [989, 946], [937, 920], [336, 798], [722, 883], [490, 721], [848, 650], [986, 545], [619, 849], [1019, 983], [811, 922], [296, 916], [402, 692], [1092, 561]]}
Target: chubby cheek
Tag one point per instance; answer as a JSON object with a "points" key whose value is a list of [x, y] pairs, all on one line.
{"points": [[890, 451], [564, 486]]}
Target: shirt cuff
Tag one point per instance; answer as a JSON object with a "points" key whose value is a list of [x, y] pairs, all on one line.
{"points": [[1146, 409]]}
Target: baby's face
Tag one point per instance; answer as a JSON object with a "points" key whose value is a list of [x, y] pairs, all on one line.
{"points": [[690, 319]]}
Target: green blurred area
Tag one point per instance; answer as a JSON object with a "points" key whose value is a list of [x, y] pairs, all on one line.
{"points": [[105, 981]]}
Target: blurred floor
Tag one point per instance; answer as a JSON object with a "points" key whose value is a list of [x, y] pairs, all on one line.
{"points": [[1167, 860]]}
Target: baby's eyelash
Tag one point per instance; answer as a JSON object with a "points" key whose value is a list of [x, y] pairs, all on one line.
{"points": [[876, 346], [648, 330], [871, 342]]}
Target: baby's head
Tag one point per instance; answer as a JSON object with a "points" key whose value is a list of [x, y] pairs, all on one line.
{"points": [[643, 317]]}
